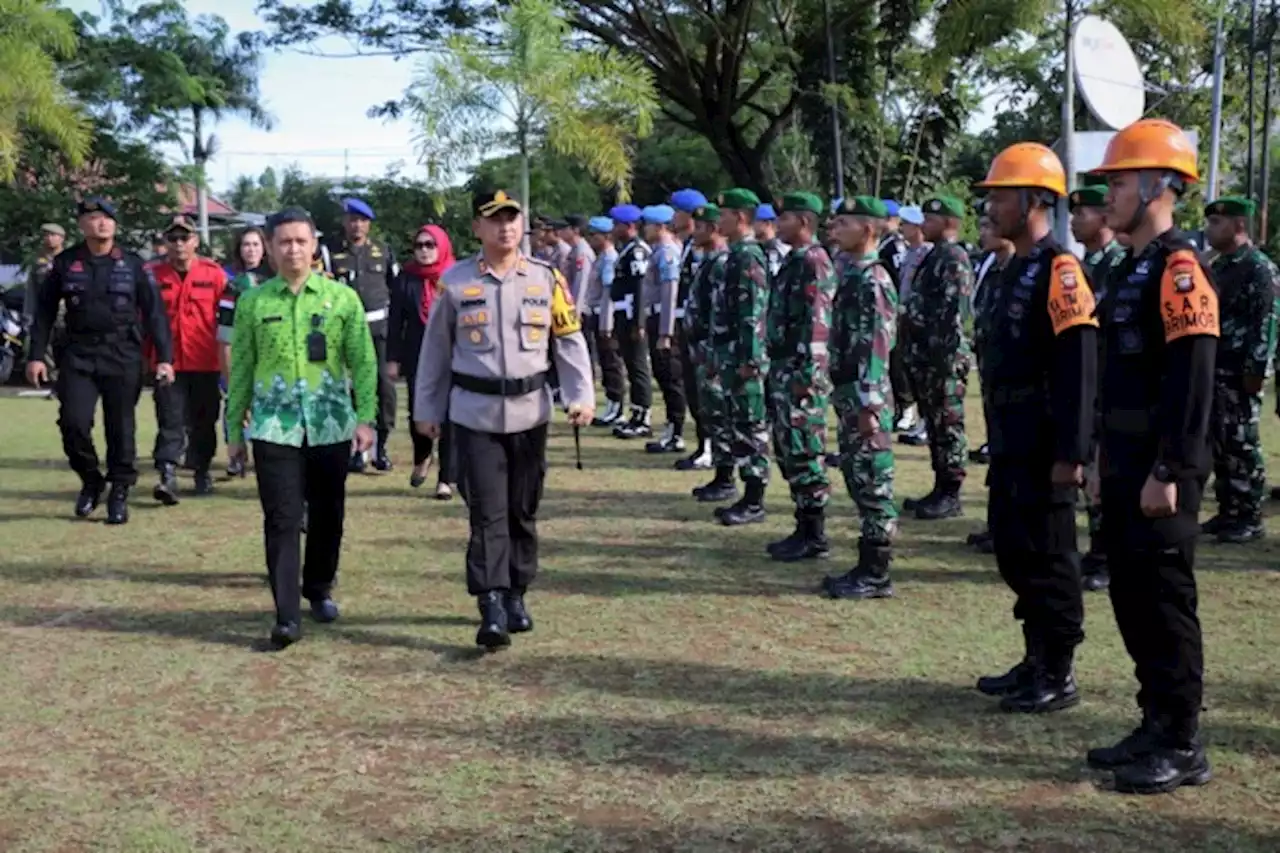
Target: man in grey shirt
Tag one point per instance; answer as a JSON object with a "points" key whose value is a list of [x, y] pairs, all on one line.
{"points": [[500, 323]]}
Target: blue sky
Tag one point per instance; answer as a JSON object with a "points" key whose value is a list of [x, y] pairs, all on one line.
{"points": [[319, 109]]}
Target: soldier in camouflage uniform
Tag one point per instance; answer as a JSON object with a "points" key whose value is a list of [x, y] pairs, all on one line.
{"points": [[863, 333], [1101, 253], [705, 321], [799, 384], [937, 357], [1247, 282], [746, 366]]}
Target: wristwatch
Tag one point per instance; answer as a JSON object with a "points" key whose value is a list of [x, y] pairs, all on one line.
{"points": [[1162, 474]]}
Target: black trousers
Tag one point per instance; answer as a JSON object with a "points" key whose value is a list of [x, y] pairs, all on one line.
{"points": [[635, 357], [187, 415], [608, 352], [903, 395], [78, 393], [1033, 531], [422, 446], [590, 329], [1153, 594], [692, 398], [290, 478], [668, 371], [501, 480], [386, 388]]}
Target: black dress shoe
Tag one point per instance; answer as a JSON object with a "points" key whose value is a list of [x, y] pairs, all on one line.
{"points": [[87, 500], [204, 483], [493, 632], [1130, 749], [382, 462], [1165, 769], [166, 491], [1013, 681], [1045, 694], [235, 468], [356, 464], [324, 610], [284, 635], [518, 619], [118, 504]]}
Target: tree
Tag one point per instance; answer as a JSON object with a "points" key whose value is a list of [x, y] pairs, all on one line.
{"points": [[170, 76], [34, 37], [536, 90], [260, 196]]}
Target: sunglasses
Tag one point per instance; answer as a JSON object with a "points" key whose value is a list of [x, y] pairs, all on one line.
{"points": [[179, 237], [425, 245]]}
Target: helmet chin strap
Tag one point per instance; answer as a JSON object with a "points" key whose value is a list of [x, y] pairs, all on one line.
{"points": [[1151, 185]]}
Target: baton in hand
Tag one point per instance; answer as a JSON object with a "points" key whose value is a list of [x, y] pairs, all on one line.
{"points": [[577, 444]]}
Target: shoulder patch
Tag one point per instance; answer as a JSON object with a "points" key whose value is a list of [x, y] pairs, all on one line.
{"points": [[1070, 303], [1188, 302], [564, 315]]}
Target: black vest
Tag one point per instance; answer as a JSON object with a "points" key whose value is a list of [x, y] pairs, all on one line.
{"points": [[629, 274], [101, 297]]}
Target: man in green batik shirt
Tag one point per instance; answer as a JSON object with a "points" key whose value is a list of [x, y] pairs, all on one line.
{"points": [[300, 352]]}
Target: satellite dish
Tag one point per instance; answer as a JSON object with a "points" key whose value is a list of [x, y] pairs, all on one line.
{"points": [[1107, 73]]}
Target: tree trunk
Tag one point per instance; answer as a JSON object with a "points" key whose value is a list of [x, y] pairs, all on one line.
{"points": [[523, 131]]}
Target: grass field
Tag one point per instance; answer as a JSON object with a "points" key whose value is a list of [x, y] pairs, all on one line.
{"points": [[680, 692]]}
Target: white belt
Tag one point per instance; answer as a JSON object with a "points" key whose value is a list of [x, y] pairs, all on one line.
{"points": [[655, 310], [588, 310], [375, 316]]}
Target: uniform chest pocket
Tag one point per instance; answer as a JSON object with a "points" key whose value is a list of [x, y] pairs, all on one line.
{"points": [[534, 322], [475, 331], [75, 283], [120, 289]]}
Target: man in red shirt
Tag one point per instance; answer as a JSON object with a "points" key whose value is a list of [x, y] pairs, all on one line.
{"points": [[187, 410]]}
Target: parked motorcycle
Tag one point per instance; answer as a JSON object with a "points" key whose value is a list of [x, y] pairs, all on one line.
{"points": [[13, 335]]}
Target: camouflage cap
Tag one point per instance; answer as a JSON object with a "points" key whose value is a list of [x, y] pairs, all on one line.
{"points": [[802, 203], [1093, 196], [709, 212], [862, 205], [738, 199], [1231, 205], [945, 205]]}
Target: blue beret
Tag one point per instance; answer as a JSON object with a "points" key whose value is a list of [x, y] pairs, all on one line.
{"points": [[600, 224], [766, 213], [659, 214], [356, 207], [891, 206], [688, 200], [626, 214]]}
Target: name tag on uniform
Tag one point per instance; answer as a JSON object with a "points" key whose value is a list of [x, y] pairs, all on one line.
{"points": [[473, 291]]}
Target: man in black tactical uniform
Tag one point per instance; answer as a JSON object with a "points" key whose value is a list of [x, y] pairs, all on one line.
{"points": [[371, 270], [111, 301]]}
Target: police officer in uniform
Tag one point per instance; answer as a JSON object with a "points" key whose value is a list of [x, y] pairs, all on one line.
{"points": [[1039, 369], [111, 302], [597, 316], [1160, 341], [628, 324], [53, 236], [369, 268], [687, 202], [500, 322], [659, 296]]}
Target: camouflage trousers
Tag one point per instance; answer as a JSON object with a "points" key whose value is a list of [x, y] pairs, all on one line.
{"points": [[748, 407], [867, 465], [716, 416], [1240, 474], [798, 417], [940, 398]]}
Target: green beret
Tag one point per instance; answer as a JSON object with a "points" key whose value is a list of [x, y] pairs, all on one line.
{"points": [[738, 199], [945, 205], [1092, 196], [709, 212], [862, 205], [802, 203], [1231, 205]]}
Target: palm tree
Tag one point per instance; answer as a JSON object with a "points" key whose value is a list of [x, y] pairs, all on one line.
{"points": [[535, 88], [34, 36]]}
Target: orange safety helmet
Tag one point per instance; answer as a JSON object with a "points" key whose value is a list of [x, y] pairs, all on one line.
{"points": [[1151, 143], [1026, 165]]}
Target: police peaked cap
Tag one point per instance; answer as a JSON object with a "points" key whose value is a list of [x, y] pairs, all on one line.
{"points": [[1231, 205], [356, 207], [688, 200]]}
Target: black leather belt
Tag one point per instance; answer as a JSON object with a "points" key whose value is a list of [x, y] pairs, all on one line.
{"points": [[500, 387]]}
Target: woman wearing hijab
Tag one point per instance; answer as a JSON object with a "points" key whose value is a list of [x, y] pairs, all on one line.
{"points": [[411, 300], [249, 268]]}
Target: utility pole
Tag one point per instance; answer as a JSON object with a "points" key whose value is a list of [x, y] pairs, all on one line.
{"points": [[1215, 122], [1063, 217], [837, 154], [1264, 207], [1253, 53]]}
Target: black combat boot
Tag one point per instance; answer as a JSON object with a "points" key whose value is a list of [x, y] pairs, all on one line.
{"points": [[868, 579], [118, 504], [945, 504], [493, 621], [981, 456], [518, 619], [910, 504], [1240, 531], [1017, 678], [90, 495], [204, 483], [166, 491], [1130, 749], [791, 538], [1176, 758], [356, 464], [812, 544], [381, 460], [1052, 687], [1094, 576], [750, 510], [719, 489]]}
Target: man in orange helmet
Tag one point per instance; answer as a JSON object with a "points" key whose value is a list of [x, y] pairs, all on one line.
{"points": [[1160, 325], [1038, 377]]}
